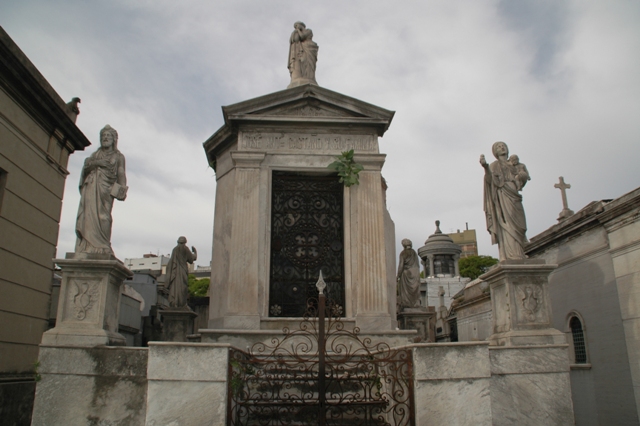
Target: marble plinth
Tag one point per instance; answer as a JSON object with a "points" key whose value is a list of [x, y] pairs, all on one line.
{"points": [[177, 324], [89, 303], [421, 320], [520, 303]]}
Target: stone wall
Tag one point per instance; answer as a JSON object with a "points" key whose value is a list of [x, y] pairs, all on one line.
{"points": [[598, 279], [99, 385], [36, 139]]}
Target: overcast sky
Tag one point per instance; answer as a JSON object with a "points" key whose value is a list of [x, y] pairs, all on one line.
{"points": [[558, 81]]}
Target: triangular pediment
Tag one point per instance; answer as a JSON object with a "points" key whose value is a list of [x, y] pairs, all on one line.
{"points": [[307, 101], [309, 107]]}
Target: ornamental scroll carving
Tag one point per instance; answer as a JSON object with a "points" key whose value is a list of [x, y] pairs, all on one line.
{"points": [[531, 298], [84, 299]]}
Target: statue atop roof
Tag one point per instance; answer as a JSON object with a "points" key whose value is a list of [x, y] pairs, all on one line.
{"points": [[303, 55]]}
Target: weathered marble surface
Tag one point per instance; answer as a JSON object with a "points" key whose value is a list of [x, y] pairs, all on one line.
{"points": [[520, 303], [89, 302], [177, 324], [531, 386], [440, 361], [452, 382], [101, 385], [532, 400], [529, 359], [187, 383], [453, 402]]}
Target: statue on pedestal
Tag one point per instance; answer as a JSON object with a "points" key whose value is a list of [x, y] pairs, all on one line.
{"points": [[408, 276], [178, 273], [102, 180], [303, 55], [503, 208]]}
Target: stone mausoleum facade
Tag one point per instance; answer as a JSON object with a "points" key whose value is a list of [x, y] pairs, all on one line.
{"points": [[281, 214]]}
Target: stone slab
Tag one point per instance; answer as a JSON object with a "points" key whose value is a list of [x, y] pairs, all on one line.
{"points": [[186, 403], [105, 386], [532, 400], [529, 359], [188, 361], [455, 402], [451, 361]]}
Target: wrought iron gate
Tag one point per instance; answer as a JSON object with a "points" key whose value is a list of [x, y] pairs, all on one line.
{"points": [[306, 233], [321, 375]]}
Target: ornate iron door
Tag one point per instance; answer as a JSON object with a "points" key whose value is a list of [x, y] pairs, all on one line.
{"points": [[306, 236]]}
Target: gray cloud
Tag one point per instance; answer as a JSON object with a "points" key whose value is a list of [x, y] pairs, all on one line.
{"points": [[558, 81]]}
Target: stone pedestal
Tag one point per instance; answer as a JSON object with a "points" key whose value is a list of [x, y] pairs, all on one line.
{"points": [[520, 304], [89, 303], [421, 320], [177, 324]]}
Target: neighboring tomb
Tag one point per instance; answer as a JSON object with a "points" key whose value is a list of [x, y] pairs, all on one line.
{"points": [[595, 295], [440, 257], [37, 137]]}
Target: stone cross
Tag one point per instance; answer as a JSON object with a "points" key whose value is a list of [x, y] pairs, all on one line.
{"points": [[566, 211]]}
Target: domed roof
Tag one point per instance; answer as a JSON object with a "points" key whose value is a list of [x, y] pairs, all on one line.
{"points": [[439, 243]]}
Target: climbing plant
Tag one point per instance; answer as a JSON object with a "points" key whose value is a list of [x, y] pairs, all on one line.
{"points": [[347, 168]]}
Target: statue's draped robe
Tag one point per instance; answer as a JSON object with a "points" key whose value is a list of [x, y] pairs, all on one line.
{"points": [[93, 224], [178, 275], [409, 282], [503, 208], [303, 55]]}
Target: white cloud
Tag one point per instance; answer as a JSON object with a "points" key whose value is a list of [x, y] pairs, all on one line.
{"points": [[558, 81]]}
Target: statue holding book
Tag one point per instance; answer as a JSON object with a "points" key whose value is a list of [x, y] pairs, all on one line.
{"points": [[102, 180]]}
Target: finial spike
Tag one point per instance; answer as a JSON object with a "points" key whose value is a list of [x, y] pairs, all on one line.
{"points": [[321, 285]]}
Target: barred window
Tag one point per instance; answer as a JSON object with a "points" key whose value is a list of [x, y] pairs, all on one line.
{"points": [[579, 347]]}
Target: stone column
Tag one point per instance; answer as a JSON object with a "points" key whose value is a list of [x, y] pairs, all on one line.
{"points": [[521, 308], [456, 259], [369, 276], [243, 311], [89, 302], [431, 269]]}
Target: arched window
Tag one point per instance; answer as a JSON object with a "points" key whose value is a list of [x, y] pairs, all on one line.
{"points": [[579, 346]]}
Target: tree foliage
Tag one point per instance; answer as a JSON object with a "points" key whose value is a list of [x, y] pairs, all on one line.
{"points": [[474, 266], [198, 288], [347, 168]]}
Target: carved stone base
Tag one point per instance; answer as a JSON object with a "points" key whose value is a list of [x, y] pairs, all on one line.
{"points": [[421, 320], [177, 324], [295, 82], [521, 308], [89, 303]]}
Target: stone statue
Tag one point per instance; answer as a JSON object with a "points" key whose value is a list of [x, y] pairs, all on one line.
{"points": [[102, 179], [303, 55], [409, 276], [503, 204], [177, 278], [522, 174]]}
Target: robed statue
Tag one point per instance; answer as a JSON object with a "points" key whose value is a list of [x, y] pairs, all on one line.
{"points": [[303, 55], [506, 222], [177, 277], [102, 180], [408, 276]]}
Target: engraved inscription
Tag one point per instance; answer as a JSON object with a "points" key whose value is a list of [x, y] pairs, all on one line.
{"points": [[306, 142]]}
